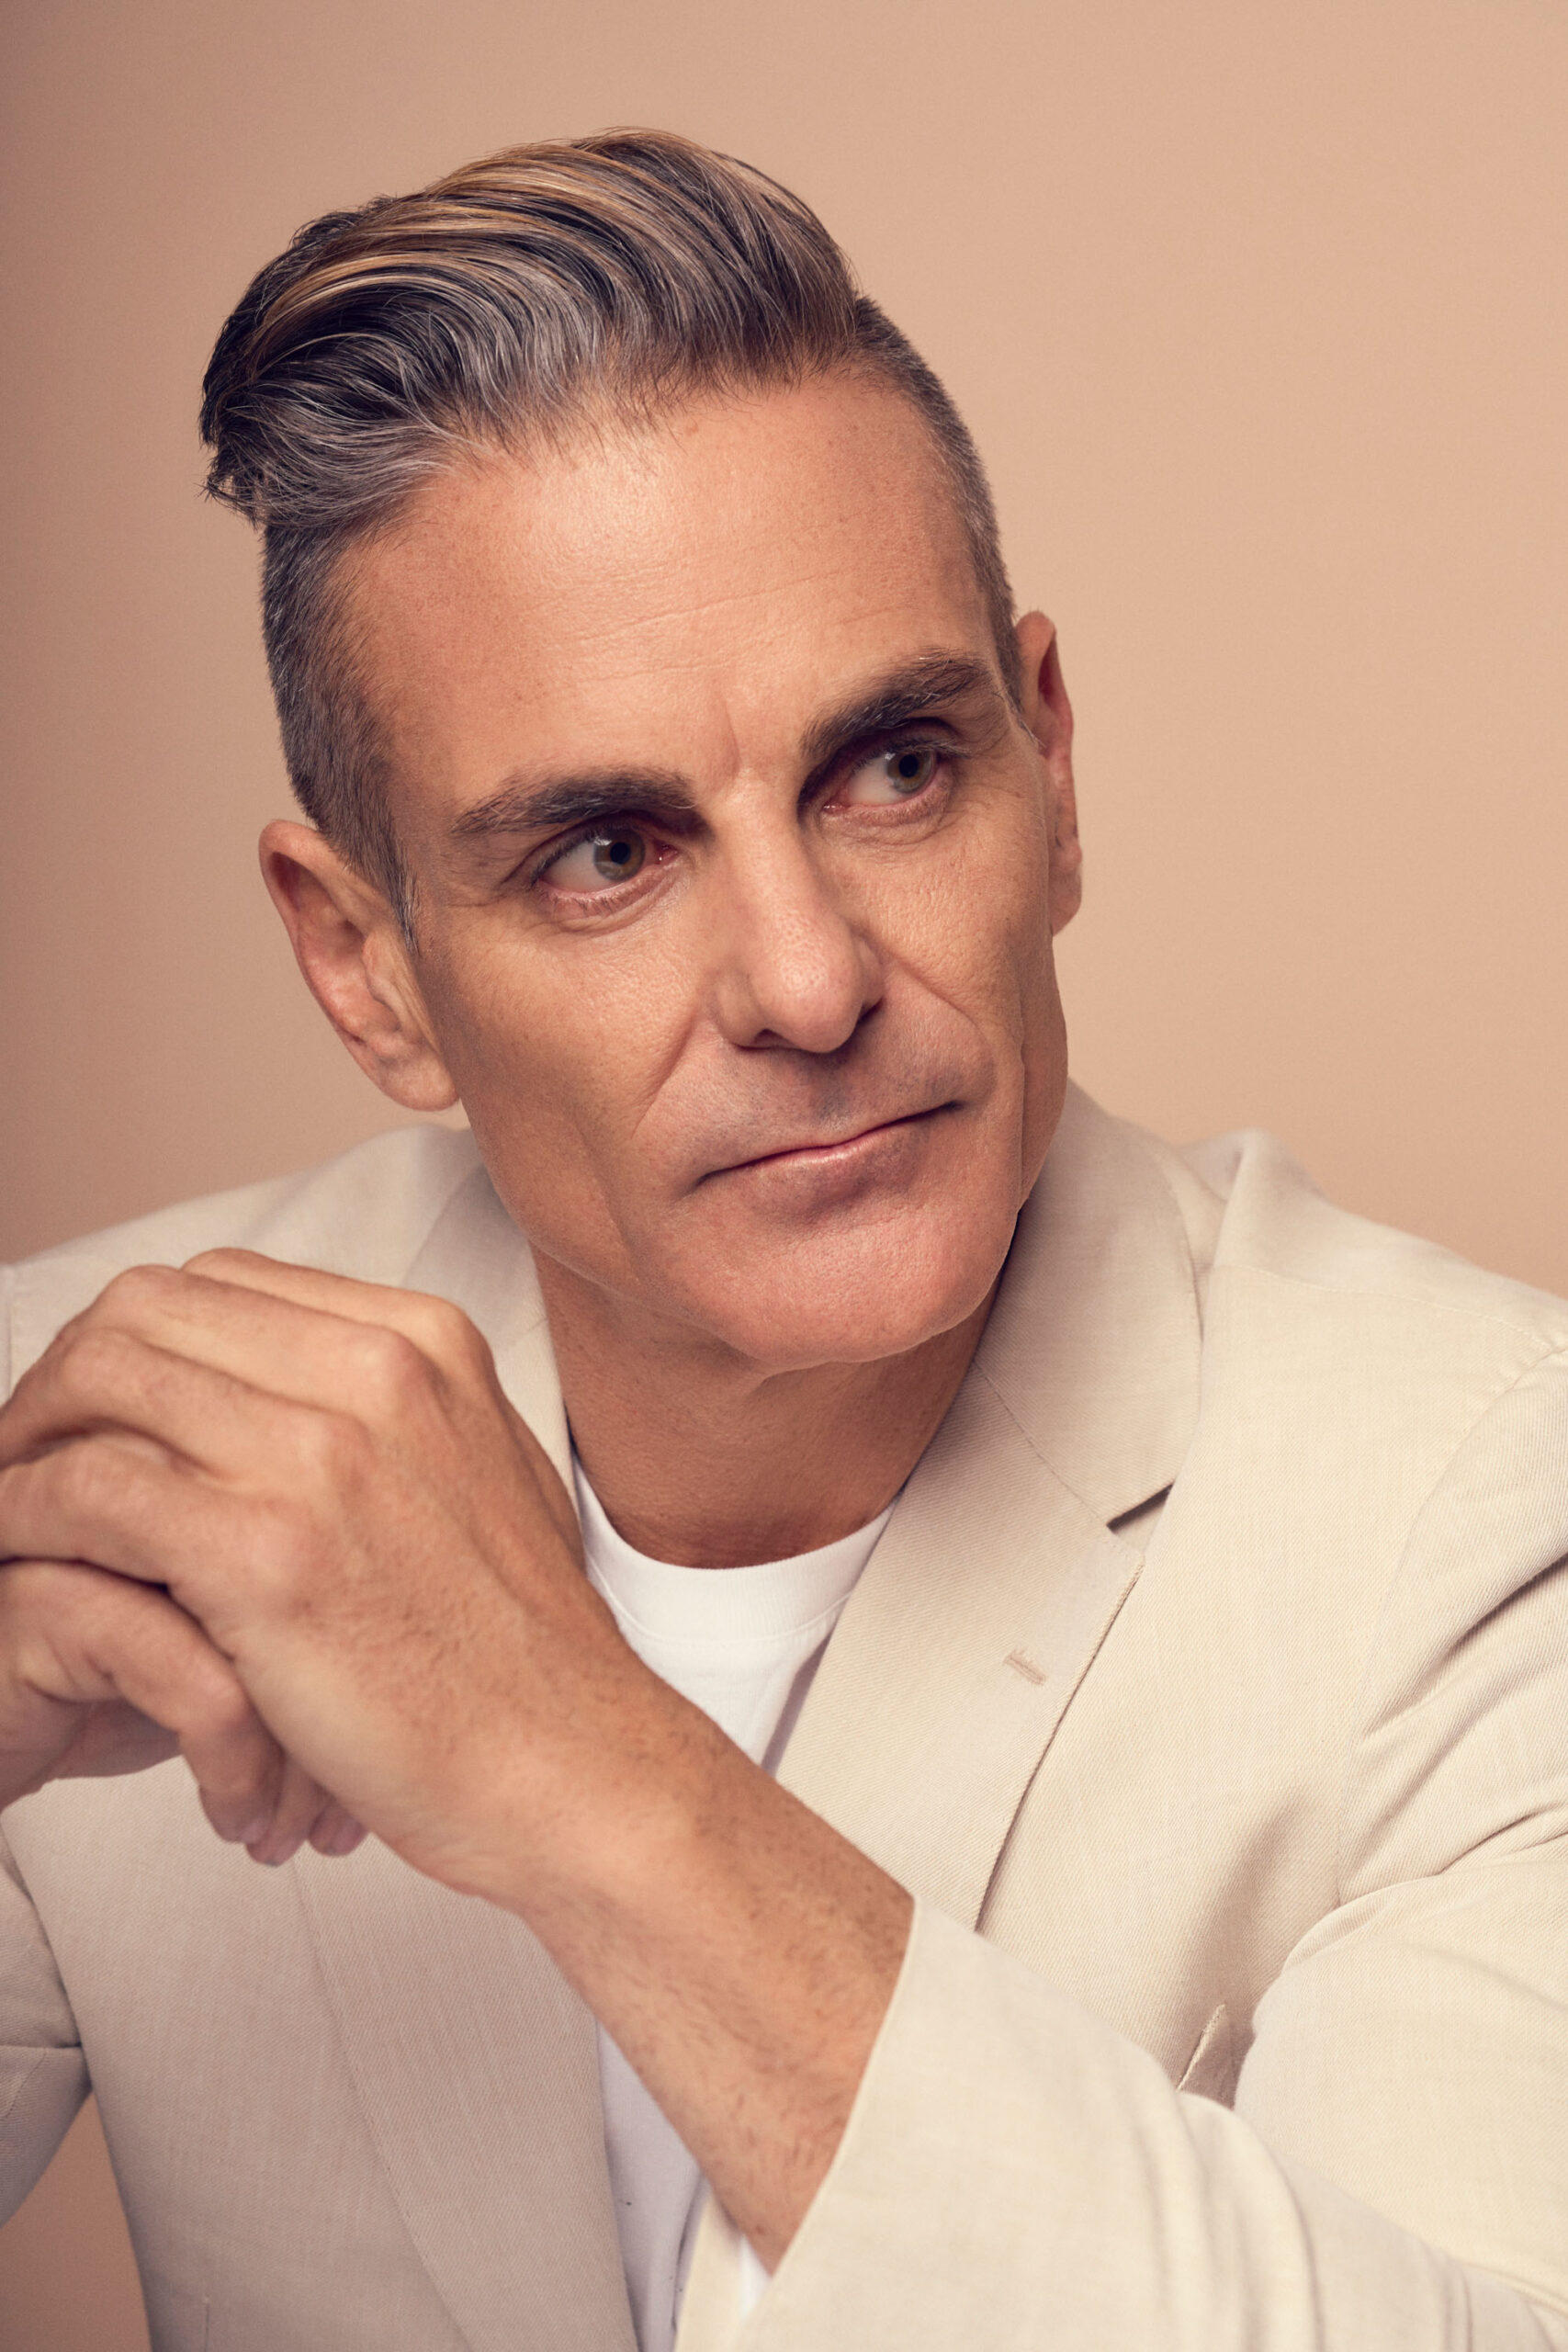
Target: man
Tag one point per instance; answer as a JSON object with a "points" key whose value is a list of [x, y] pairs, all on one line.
{"points": [[1155, 1933]]}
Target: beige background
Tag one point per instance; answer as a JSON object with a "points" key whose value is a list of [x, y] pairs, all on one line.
{"points": [[1259, 314]]}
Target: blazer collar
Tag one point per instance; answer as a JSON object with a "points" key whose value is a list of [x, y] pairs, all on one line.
{"points": [[1093, 1343], [474, 1256]]}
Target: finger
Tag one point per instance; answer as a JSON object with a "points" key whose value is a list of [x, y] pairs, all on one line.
{"points": [[78, 1637], [285, 1346], [423, 1354], [116, 1506], [137, 1361], [301, 1803], [437, 1327], [115, 1382], [441, 1332], [337, 1833]]}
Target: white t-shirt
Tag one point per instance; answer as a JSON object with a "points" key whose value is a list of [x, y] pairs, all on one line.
{"points": [[742, 1644]]}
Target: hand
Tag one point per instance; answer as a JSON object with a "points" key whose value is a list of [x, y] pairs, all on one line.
{"points": [[364, 1551], [100, 1677]]}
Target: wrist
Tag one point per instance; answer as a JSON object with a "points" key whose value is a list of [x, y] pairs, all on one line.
{"points": [[598, 1809]]}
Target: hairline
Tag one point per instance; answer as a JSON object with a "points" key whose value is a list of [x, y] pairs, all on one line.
{"points": [[333, 662]]}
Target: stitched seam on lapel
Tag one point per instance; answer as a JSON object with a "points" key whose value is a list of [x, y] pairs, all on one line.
{"points": [[465, 1177], [978, 1372], [980, 1375], [39, 2057]]}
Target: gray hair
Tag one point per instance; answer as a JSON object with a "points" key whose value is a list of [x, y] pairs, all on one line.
{"points": [[507, 306]]}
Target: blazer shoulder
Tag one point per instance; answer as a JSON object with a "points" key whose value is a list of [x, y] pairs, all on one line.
{"points": [[366, 1213], [1277, 1224]]}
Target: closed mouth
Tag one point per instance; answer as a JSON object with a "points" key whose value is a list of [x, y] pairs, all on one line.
{"points": [[821, 1151]]}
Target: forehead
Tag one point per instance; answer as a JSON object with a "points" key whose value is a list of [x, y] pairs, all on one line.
{"points": [[687, 595]]}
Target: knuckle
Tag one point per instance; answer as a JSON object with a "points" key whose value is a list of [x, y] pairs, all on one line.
{"points": [[135, 1291], [99, 1357], [215, 1263], [447, 1331], [392, 1367], [83, 1476]]}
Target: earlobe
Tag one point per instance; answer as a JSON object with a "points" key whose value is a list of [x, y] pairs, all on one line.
{"points": [[349, 947]]}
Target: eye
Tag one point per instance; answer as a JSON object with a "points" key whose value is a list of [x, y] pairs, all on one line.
{"points": [[613, 855], [895, 775]]}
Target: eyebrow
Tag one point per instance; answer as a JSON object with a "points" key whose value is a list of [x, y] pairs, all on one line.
{"points": [[585, 798], [923, 687]]}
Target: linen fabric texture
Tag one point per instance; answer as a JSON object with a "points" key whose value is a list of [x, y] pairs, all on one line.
{"points": [[1209, 1690]]}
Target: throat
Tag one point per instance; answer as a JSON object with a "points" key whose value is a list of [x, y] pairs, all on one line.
{"points": [[706, 1465]]}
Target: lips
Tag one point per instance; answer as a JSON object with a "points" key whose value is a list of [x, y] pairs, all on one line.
{"points": [[807, 1147]]}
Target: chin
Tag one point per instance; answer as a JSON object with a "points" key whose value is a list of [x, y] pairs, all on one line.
{"points": [[856, 1298]]}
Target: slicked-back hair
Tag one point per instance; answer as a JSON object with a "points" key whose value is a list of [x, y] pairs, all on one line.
{"points": [[547, 289]]}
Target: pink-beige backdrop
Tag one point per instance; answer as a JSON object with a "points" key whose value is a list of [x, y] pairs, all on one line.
{"points": [[1259, 312]]}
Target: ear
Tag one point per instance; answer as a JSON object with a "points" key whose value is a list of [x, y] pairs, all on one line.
{"points": [[356, 964], [1048, 715]]}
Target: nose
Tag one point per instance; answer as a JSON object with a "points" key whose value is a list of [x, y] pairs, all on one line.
{"points": [[795, 967]]}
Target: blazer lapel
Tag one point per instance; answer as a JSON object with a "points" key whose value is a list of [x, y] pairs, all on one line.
{"points": [[1000, 1577], [476, 2065], [974, 1623]]}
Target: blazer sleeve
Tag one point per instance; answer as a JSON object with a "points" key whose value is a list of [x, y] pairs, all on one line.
{"points": [[1394, 2173], [43, 2074]]}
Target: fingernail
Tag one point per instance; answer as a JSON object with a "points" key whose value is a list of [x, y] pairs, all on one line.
{"points": [[276, 1860]]}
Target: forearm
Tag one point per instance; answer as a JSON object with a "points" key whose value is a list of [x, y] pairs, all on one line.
{"points": [[742, 1953]]}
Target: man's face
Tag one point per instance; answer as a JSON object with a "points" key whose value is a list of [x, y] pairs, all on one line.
{"points": [[736, 868]]}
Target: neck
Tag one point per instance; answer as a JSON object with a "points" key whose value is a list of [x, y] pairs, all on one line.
{"points": [[706, 1460]]}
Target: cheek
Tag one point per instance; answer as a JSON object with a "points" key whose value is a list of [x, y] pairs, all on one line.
{"points": [[982, 921], [1001, 970], [556, 1058]]}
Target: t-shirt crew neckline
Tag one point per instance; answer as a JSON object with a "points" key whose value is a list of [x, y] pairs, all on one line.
{"points": [[772, 1601]]}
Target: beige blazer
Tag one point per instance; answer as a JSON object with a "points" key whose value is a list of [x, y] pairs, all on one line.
{"points": [[1258, 1802]]}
